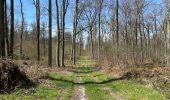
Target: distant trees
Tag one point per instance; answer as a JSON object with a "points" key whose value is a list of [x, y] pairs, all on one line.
{"points": [[126, 31], [90, 14]]}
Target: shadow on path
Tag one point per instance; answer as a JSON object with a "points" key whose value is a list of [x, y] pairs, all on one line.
{"points": [[83, 83]]}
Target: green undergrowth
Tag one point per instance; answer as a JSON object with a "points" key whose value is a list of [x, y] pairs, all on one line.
{"points": [[135, 91], [94, 77], [54, 90], [95, 92]]}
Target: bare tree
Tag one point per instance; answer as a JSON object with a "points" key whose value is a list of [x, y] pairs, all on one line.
{"points": [[168, 35], [37, 6], [12, 30], [90, 15], [43, 37], [64, 7], [75, 22], [58, 35], [2, 35], [22, 28], [100, 4], [6, 29], [117, 27], [50, 34]]}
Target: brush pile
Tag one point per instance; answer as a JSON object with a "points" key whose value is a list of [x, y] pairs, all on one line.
{"points": [[11, 77]]}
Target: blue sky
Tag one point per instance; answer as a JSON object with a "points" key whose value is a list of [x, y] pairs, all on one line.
{"points": [[30, 17], [29, 12]]}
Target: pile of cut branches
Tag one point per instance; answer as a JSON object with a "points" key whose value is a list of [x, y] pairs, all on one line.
{"points": [[11, 77]]}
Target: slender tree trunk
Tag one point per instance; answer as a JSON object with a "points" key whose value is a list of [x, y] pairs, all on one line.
{"points": [[156, 43], [63, 31], [6, 29], [141, 40], [50, 34], [12, 30], [2, 35], [126, 37], [44, 53], [58, 35], [149, 42], [168, 35], [117, 28], [91, 41], [38, 28], [74, 32], [80, 45], [99, 27], [43, 38], [22, 29]]}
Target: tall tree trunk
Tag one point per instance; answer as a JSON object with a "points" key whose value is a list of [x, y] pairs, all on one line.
{"points": [[80, 45], [74, 32], [22, 29], [50, 34], [117, 28], [63, 31], [99, 27], [38, 28], [12, 30], [149, 42], [168, 35], [64, 7], [126, 36], [2, 35], [156, 43], [44, 41], [91, 40], [6, 29], [58, 35], [141, 40]]}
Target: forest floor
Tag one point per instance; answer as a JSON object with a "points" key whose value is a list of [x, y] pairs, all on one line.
{"points": [[84, 81]]}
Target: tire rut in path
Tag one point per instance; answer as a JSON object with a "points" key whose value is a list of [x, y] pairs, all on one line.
{"points": [[79, 91]]}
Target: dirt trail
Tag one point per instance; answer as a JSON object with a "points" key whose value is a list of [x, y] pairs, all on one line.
{"points": [[79, 91]]}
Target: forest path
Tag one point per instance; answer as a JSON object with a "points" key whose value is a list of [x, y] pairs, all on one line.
{"points": [[88, 82], [86, 72], [85, 81]]}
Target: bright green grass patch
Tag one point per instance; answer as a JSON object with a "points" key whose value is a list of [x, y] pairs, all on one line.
{"points": [[58, 90], [95, 92], [84, 57], [85, 61], [134, 91], [62, 76]]}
